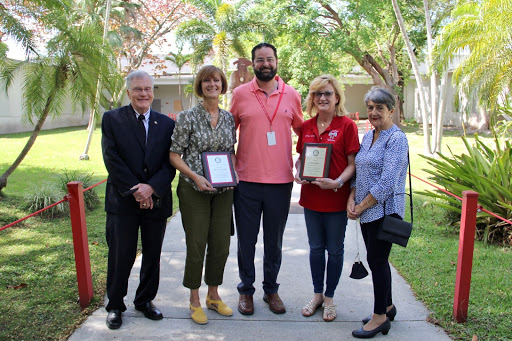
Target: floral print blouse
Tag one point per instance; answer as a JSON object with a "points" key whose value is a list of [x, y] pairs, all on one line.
{"points": [[381, 170], [194, 134]]}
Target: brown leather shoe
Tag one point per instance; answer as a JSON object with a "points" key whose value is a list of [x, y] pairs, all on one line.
{"points": [[274, 303], [245, 305]]}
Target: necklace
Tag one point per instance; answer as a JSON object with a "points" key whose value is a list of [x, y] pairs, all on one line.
{"points": [[323, 124]]}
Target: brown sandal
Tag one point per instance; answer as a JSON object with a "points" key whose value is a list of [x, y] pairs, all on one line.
{"points": [[310, 308]]}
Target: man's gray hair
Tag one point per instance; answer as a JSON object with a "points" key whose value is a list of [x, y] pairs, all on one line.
{"points": [[138, 74], [380, 95]]}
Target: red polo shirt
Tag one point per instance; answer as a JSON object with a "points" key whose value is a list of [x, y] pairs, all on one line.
{"points": [[342, 134]]}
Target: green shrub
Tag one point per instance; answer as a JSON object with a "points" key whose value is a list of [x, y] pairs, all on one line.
{"points": [[45, 195], [51, 192], [482, 170], [91, 199]]}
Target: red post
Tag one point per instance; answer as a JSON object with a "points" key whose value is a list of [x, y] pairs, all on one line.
{"points": [[80, 242], [465, 259]]}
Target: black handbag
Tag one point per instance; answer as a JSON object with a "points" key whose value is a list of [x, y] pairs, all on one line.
{"points": [[358, 269], [396, 230]]}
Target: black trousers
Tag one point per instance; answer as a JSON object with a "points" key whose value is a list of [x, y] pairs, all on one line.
{"points": [[252, 201], [122, 236], [377, 253]]}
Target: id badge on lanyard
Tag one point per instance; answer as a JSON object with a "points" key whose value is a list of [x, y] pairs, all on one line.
{"points": [[271, 138], [271, 135]]}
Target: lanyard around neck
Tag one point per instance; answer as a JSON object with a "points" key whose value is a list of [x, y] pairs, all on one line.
{"points": [[263, 106]]}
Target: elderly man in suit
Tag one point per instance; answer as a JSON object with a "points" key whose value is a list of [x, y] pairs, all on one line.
{"points": [[135, 143]]}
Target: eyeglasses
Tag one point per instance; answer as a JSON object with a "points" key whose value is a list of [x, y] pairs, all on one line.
{"points": [[319, 94], [269, 60], [139, 90]]}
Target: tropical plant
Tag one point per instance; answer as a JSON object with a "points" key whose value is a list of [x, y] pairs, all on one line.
{"points": [[483, 170], [45, 195], [91, 199], [179, 59], [504, 126], [13, 27], [68, 71], [479, 35], [220, 30]]}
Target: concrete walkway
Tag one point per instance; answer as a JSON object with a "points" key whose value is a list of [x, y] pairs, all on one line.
{"points": [[353, 298]]}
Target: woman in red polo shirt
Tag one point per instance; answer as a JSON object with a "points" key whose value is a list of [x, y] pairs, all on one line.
{"points": [[325, 199]]}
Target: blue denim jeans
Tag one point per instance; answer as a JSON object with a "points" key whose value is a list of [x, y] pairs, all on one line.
{"points": [[326, 231]]}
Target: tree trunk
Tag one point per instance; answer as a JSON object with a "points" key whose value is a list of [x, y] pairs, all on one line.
{"points": [[179, 88], [28, 145], [433, 75], [419, 82], [92, 118], [440, 113]]}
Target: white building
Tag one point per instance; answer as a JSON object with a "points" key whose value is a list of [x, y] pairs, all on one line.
{"points": [[167, 100]]}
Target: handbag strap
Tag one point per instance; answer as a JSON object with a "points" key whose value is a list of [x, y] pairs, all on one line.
{"points": [[358, 228], [410, 191], [410, 188]]}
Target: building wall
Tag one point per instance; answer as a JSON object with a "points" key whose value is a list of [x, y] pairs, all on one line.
{"points": [[354, 98], [452, 116], [170, 99], [167, 98], [13, 121]]}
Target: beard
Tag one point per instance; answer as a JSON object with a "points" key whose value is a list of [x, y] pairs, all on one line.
{"points": [[265, 75]]}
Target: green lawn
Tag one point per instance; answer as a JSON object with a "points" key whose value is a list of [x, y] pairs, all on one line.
{"points": [[39, 253]]}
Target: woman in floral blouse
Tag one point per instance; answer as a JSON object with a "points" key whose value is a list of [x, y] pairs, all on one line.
{"points": [[381, 167], [205, 210]]}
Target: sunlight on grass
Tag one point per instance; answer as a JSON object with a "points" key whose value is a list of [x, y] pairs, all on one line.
{"points": [[39, 252]]}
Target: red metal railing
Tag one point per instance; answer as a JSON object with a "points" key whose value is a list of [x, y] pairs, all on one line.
{"points": [[75, 197], [464, 265], [470, 207]]}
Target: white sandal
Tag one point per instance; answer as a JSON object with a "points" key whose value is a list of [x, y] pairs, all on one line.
{"points": [[329, 310], [310, 308]]}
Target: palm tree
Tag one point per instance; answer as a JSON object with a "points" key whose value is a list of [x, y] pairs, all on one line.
{"points": [[12, 26], [69, 71], [483, 29], [179, 59], [221, 30]]}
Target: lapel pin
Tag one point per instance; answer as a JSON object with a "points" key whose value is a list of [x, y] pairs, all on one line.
{"points": [[156, 122]]}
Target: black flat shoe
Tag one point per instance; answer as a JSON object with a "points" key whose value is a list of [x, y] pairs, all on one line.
{"points": [[150, 311], [390, 314], [114, 320], [363, 334]]}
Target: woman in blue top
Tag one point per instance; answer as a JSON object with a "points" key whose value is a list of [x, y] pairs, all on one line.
{"points": [[381, 168]]}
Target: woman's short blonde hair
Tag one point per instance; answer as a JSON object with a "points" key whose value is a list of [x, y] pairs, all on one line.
{"points": [[207, 72], [318, 83]]}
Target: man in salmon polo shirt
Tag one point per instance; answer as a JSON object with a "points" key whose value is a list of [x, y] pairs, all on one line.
{"points": [[265, 111]]}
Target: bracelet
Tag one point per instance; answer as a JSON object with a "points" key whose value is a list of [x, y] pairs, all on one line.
{"points": [[340, 184], [367, 202]]}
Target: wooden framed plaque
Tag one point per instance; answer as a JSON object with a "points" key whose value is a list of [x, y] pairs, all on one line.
{"points": [[218, 169], [315, 161]]}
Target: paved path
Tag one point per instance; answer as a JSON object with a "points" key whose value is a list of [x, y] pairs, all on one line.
{"points": [[353, 299]]}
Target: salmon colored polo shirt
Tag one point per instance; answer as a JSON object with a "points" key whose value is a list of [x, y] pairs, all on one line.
{"points": [[256, 161], [342, 134]]}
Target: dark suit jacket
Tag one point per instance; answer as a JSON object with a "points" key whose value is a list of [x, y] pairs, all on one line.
{"points": [[129, 161]]}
